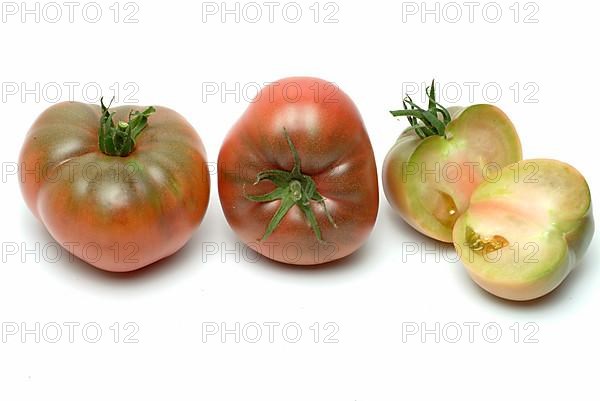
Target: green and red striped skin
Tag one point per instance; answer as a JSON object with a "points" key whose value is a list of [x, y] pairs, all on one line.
{"points": [[335, 151], [429, 181], [116, 213]]}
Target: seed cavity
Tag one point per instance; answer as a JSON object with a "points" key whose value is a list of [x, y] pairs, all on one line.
{"points": [[444, 208], [484, 245]]}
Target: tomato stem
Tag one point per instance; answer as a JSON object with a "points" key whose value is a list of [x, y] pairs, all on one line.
{"points": [[292, 188], [432, 121], [119, 139]]}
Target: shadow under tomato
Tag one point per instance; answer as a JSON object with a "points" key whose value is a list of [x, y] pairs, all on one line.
{"points": [[556, 298], [157, 268], [71, 265], [357, 260], [407, 232], [559, 296]]}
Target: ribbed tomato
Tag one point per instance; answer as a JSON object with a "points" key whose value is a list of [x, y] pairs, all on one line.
{"points": [[117, 195], [297, 175]]}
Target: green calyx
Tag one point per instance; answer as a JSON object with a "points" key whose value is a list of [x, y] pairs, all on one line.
{"points": [[119, 139], [293, 188], [430, 122]]}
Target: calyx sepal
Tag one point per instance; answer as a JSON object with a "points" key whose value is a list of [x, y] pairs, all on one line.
{"points": [[292, 188]]}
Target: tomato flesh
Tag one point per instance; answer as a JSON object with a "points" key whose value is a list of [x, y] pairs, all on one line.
{"points": [[429, 180], [542, 210]]}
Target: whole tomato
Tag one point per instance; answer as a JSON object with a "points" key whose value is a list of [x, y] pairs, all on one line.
{"points": [[436, 163], [297, 175], [117, 195]]}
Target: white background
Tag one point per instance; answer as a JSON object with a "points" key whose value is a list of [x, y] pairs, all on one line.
{"points": [[373, 52]]}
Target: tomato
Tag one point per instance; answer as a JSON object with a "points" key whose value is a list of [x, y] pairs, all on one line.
{"points": [[435, 165], [297, 174], [117, 195], [524, 233]]}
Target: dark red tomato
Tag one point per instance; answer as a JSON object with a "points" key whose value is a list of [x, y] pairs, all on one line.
{"points": [[297, 175], [119, 191]]}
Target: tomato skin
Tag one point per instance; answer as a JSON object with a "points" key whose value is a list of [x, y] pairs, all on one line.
{"points": [[326, 128], [116, 213], [429, 181]]}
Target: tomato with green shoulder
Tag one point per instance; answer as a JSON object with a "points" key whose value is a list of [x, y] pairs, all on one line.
{"points": [[435, 165], [118, 188]]}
